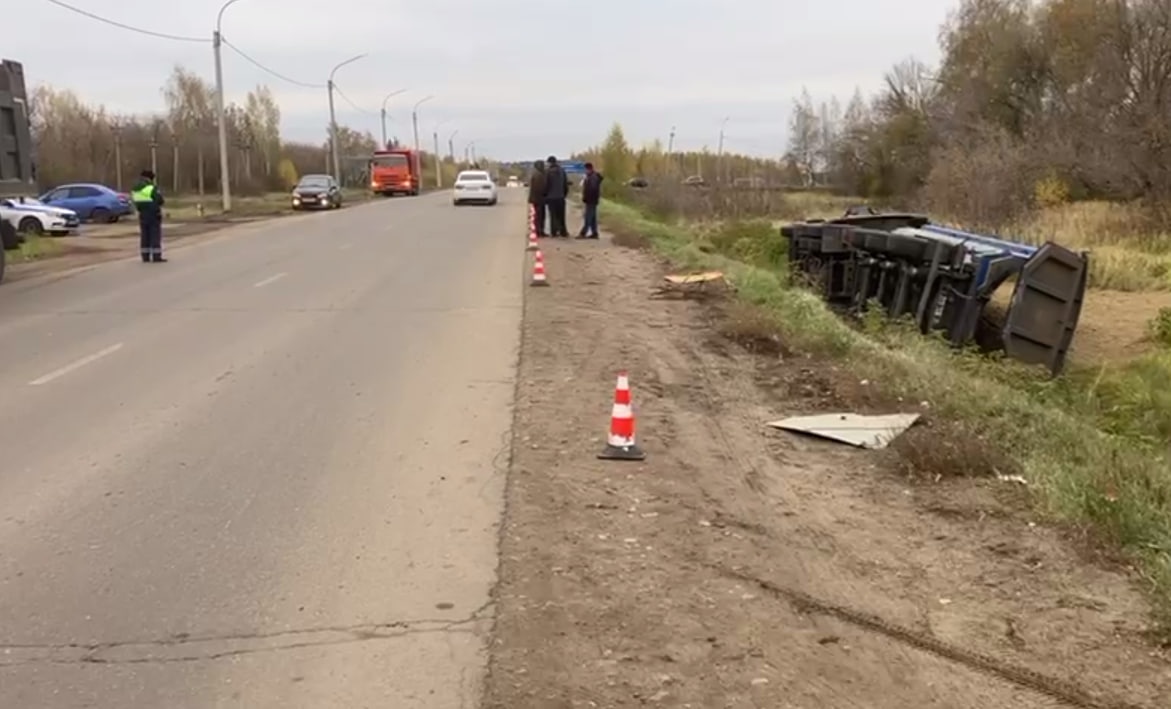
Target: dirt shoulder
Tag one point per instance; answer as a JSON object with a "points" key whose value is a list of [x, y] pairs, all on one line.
{"points": [[741, 566]]}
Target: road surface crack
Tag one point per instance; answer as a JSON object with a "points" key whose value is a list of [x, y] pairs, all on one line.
{"points": [[186, 648]]}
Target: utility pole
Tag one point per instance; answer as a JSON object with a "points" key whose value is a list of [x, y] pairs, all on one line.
{"points": [[389, 96], [217, 39], [472, 145], [415, 127], [720, 151], [451, 145], [438, 161], [337, 168], [671, 153]]}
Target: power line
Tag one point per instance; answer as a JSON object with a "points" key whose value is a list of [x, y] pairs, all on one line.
{"points": [[263, 68], [139, 30], [353, 105]]}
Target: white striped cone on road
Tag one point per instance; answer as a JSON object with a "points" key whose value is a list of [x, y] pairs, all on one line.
{"points": [[620, 444], [539, 278], [534, 245]]}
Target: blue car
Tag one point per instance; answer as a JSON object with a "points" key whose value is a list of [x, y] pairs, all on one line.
{"points": [[92, 202]]}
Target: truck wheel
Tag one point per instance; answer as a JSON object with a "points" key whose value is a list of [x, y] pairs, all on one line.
{"points": [[9, 237]]}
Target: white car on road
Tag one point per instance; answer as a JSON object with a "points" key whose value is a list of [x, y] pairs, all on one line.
{"points": [[474, 186], [31, 216], [513, 182]]}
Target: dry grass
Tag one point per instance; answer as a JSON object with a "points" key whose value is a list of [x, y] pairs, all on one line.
{"points": [[1128, 250], [36, 248], [939, 448], [753, 328], [694, 204]]}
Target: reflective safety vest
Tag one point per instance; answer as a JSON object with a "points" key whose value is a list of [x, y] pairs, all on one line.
{"points": [[146, 194]]}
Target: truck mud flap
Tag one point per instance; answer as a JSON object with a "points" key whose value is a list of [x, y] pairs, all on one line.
{"points": [[1046, 305]]}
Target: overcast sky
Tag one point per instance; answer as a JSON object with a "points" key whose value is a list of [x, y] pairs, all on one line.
{"points": [[520, 78]]}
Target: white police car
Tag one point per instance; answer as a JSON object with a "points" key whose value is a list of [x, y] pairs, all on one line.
{"points": [[32, 216]]}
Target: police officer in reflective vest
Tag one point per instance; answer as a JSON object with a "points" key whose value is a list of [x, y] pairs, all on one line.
{"points": [[148, 200]]}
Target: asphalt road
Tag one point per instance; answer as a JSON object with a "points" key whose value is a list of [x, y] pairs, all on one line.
{"points": [[266, 474]]}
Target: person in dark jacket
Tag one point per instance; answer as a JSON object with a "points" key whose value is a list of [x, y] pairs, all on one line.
{"points": [[591, 194], [148, 200], [556, 190], [537, 195]]}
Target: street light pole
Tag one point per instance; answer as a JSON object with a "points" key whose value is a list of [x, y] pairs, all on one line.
{"points": [[451, 145], [217, 39], [337, 169], [438, 155], [415, 127], [389, 96]]}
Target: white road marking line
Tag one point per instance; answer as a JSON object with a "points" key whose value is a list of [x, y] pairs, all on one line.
{"points": [[58, 373], [270, 280]]}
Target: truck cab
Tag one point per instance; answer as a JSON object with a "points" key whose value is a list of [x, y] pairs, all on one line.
{"points": [[16, 149], [395, 171]]}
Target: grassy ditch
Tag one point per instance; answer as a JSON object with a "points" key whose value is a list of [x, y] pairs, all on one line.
{"points": [[36, 248], [1092, 445]]}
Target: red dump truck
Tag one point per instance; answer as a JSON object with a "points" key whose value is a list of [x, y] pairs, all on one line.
{"points": [[395, 171]]}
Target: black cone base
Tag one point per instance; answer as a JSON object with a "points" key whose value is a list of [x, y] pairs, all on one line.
{"points": [[622, 453]]}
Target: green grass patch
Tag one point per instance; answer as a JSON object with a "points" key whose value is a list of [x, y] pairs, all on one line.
{"points": [[36, 248], [1093, 444]]}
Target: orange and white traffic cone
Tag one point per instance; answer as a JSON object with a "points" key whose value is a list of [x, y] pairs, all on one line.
{"points": [[533, 244], [620, 445], [538, 270]]}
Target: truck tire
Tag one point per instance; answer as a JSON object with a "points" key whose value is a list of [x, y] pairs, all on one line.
{"points": [[9, 237]]}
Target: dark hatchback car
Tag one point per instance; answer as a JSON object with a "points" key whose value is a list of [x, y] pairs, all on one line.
{"points": [[317, 192]]}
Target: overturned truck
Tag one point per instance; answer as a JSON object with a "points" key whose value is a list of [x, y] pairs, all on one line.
{"points": [[944, 278]]}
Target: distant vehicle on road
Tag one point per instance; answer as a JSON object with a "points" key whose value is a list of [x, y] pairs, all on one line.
{"points": [[474, 186], [695, 181], [90, 201], [317, 192], [31, 216], [395, 171], [513, 182], [639, 183]]}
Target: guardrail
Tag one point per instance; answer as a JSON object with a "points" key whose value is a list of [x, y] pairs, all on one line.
{"points": [[945, 278]]}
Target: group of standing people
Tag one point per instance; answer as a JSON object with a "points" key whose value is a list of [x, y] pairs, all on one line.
{"points": [[548, 190]]}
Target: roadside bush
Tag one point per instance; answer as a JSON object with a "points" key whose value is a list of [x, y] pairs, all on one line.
{"points": [[1160, 327], [757, 242], [287, 172]]}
